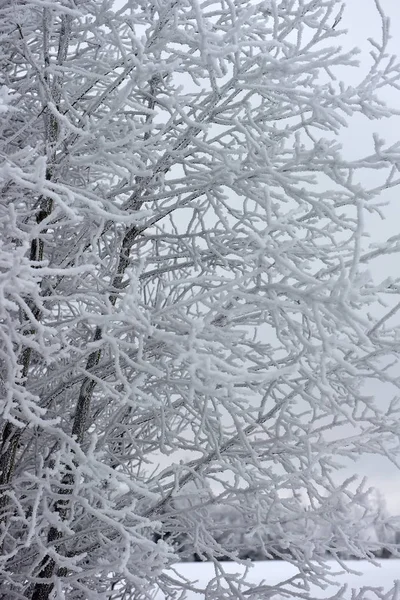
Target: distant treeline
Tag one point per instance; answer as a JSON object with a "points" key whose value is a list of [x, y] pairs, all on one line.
{"points": [[230, 536]]}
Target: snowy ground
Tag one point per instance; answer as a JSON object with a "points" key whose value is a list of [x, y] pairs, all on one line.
{"points": [[272, 572]]}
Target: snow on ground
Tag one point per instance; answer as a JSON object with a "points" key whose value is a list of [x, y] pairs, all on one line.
{"points": [[271, 572]]}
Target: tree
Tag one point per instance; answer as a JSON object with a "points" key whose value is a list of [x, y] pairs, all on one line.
{"points": [[232, 530], [185, 302]]}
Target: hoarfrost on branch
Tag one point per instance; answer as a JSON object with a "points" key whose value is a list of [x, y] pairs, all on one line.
{"points": [[186, 310]]}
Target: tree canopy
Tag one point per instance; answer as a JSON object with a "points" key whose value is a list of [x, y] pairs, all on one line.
{"points": [[186, 309]]}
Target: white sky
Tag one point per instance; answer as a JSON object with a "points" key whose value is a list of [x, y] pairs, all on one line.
{"points": [[362, 22]]}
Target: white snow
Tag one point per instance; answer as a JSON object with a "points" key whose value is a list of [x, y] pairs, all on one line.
{"points": [[272, 572]]}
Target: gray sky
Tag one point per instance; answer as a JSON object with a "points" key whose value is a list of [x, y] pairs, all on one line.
{"points": [[362, 21]]}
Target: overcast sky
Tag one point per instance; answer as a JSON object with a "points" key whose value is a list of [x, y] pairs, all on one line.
{"points": [[362, 22]]}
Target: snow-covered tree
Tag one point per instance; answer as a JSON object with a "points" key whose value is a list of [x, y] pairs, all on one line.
{"points": [[231, 529], [185, 305]]}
